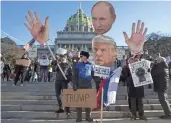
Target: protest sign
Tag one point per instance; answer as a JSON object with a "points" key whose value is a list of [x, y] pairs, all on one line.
{"points": [[44, 62], [120, 53], [140, 74], [85, 98], [23, 62], [168, 59], [101, 71], [33, 52]]}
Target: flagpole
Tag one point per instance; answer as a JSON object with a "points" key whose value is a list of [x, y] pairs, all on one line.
{"points": [[55, 59], [101, 112]]}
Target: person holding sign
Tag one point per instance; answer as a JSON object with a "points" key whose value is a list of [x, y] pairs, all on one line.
{"points": [[21, 70], [135, 94], [83, 73], [61, 82]]}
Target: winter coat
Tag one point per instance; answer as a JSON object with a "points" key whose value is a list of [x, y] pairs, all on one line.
{"points": [[160, 75], [7, 69], [67, 69], [83, 74]]}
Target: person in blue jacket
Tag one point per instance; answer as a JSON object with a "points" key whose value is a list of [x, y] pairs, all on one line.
{"points": [[83, 74]]}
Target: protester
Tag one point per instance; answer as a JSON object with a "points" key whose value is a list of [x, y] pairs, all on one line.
{"points": [[160, 75], [21, 70], [2, 66], [6, 71], [83, 73], [61, 82], [135, 94], [44, 62]]}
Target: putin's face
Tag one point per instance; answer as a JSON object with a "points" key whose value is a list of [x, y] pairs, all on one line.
{"points": [[104, 54], [102, 18]]}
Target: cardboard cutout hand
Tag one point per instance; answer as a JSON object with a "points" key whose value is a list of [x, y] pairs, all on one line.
{"points": [[39, 32], [137, 39]]}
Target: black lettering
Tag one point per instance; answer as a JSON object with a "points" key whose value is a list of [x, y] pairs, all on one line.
{"points": [[67, 96], [71, 98], [81, 98]]}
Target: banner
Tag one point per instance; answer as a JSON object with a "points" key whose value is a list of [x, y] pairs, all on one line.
{"points": [[101, 71], [140, 74], [33, 52], [23, 62], [85, 98]]}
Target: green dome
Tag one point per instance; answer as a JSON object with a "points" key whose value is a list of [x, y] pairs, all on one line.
{"points": [[81, 19]]}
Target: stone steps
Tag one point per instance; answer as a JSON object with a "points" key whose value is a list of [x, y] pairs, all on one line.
{"points": [[54, 102], [53, 108], [123, 120], [51, 115], [28, 97], [36, 103]]}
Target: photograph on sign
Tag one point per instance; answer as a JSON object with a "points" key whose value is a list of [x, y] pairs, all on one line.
{"points": [[140, 74], [85, 98]]}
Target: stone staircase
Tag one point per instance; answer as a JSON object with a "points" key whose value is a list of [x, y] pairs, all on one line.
{"points": [[36, 102]]}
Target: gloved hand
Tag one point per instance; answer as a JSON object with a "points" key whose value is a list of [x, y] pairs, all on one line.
{"points": [[74, 87]]}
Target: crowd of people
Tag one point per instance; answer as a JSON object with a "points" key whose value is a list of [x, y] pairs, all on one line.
{"points": [[79, 70]]}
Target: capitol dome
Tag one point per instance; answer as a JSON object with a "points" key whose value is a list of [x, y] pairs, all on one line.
{"points": [[79, 21]]}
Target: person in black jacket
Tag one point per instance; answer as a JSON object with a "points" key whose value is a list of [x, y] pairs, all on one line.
{"points": [[61, 82], [135, 94], [160, 75], [6, 71], [20, 70]]}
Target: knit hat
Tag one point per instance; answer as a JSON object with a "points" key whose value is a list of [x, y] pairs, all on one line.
{"points": [[84, 53]]}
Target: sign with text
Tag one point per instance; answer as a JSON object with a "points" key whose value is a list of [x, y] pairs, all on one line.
{"points": [[85, 98], [33, 52], [44, 62], [120, 53], [101, 71], [140, 74], [23, 62]]}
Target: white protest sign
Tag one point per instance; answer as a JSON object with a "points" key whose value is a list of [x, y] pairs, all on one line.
{"points": [[120, 53], [101, 71], [168, 59], [44, 62], [140, 74], [61, 51], [33, 52]]}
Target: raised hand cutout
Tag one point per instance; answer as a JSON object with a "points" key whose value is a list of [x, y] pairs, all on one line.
{"points": [[137, 39], [39, 31]]}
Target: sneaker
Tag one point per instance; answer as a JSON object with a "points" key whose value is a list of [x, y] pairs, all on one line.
{"points": [[166, 116], [21, 85], [143, 118], [59, 111], [13, 85], [89, 119], [133, 117]]}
